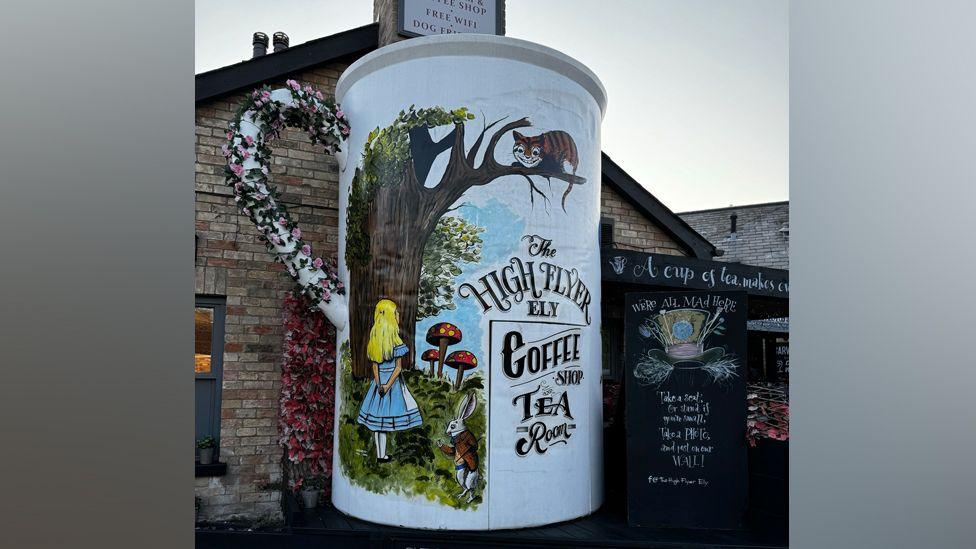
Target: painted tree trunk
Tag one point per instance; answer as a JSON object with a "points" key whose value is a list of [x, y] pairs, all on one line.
{"points": [[399, 228]]}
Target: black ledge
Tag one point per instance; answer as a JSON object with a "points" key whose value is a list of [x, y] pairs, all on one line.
{"points": [[215, 469]]}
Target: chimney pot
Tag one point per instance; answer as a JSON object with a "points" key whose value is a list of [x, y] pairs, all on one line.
{"points": [[260, 43], [280, 41], [733, 218]]}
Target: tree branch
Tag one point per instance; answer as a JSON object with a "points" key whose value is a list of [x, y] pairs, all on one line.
{"points": [[458, 207], [518, 169], [473, 153], [532, 190], [457, 163], [424, 150], [489, 160], [410, 177], [461, 176]]}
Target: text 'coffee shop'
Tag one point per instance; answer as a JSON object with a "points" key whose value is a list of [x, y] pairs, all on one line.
{"points": [[428, 300]]}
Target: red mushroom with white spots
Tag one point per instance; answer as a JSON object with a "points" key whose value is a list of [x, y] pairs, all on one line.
{"points": [[442, 335], [431, 356], [461, 360]]}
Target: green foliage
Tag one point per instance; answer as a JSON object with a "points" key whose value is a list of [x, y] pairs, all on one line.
{"points": [[419, 467], [357, 214], [206, 442], [453, 241], [384, 162], [345, 356]]}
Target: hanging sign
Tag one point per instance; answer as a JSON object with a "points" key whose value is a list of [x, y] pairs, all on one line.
{"points": [[686, 409], [633, 267], [782, 353], [427, 17]]}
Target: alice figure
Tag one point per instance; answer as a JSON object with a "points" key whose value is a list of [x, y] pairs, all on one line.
{"points": [[388, 405]]}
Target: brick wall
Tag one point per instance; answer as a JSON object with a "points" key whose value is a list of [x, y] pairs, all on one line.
{"points": [[631, 230], [231, 261]]}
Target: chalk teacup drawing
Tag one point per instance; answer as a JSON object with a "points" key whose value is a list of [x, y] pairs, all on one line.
{"points": [[617, 264]]}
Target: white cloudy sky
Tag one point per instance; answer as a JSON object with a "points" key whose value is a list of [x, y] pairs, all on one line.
{"points": [[698, 89]]}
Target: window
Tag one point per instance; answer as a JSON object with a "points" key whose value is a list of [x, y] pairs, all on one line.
{"points": [[208, 355]]}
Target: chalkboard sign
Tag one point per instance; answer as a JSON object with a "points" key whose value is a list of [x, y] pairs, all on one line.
{"points": [[686, 409], [782, 353], [632, 267]]}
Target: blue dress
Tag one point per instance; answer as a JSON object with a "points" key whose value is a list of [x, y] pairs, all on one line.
{"points": [[396, 410]]}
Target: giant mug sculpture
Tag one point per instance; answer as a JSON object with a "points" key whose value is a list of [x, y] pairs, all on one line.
{"points": [[467, 294]]}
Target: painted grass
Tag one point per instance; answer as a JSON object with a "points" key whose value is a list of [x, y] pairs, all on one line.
{"points": [[418, 467]]}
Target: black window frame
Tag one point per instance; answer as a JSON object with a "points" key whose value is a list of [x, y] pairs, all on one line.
{"points": [[219, 306]]}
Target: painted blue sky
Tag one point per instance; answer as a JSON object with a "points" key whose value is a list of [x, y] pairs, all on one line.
{"points": [[503, 229]]}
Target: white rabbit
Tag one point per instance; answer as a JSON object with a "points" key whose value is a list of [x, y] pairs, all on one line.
{"points": [[464, 447]]}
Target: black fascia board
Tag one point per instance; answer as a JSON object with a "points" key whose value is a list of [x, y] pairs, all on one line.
{"points": [[252, 72], [651, 207]]}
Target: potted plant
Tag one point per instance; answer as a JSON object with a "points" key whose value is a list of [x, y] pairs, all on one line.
{"points": [[206, 447], [311, 487]]}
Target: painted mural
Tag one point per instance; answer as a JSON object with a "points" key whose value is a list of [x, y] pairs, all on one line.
{"points": [[413, 419]]}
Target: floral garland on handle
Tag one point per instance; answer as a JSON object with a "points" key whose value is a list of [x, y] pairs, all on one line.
{"points": [[260, 118]]}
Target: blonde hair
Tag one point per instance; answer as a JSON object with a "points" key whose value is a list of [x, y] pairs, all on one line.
{"points": [[385, 334]]}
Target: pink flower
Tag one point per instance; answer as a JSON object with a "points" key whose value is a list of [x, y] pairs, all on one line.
{"points": [[339, 113], [239, 187], [345, 130], [326, 294], [318, 95], [266, 95], [264, 170], [293, 85], [282, 221], [249, 140], [230, 135], [317, 263], [306, 249], [226, 150], [237, 169], [296, 233], [275, 238]]}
